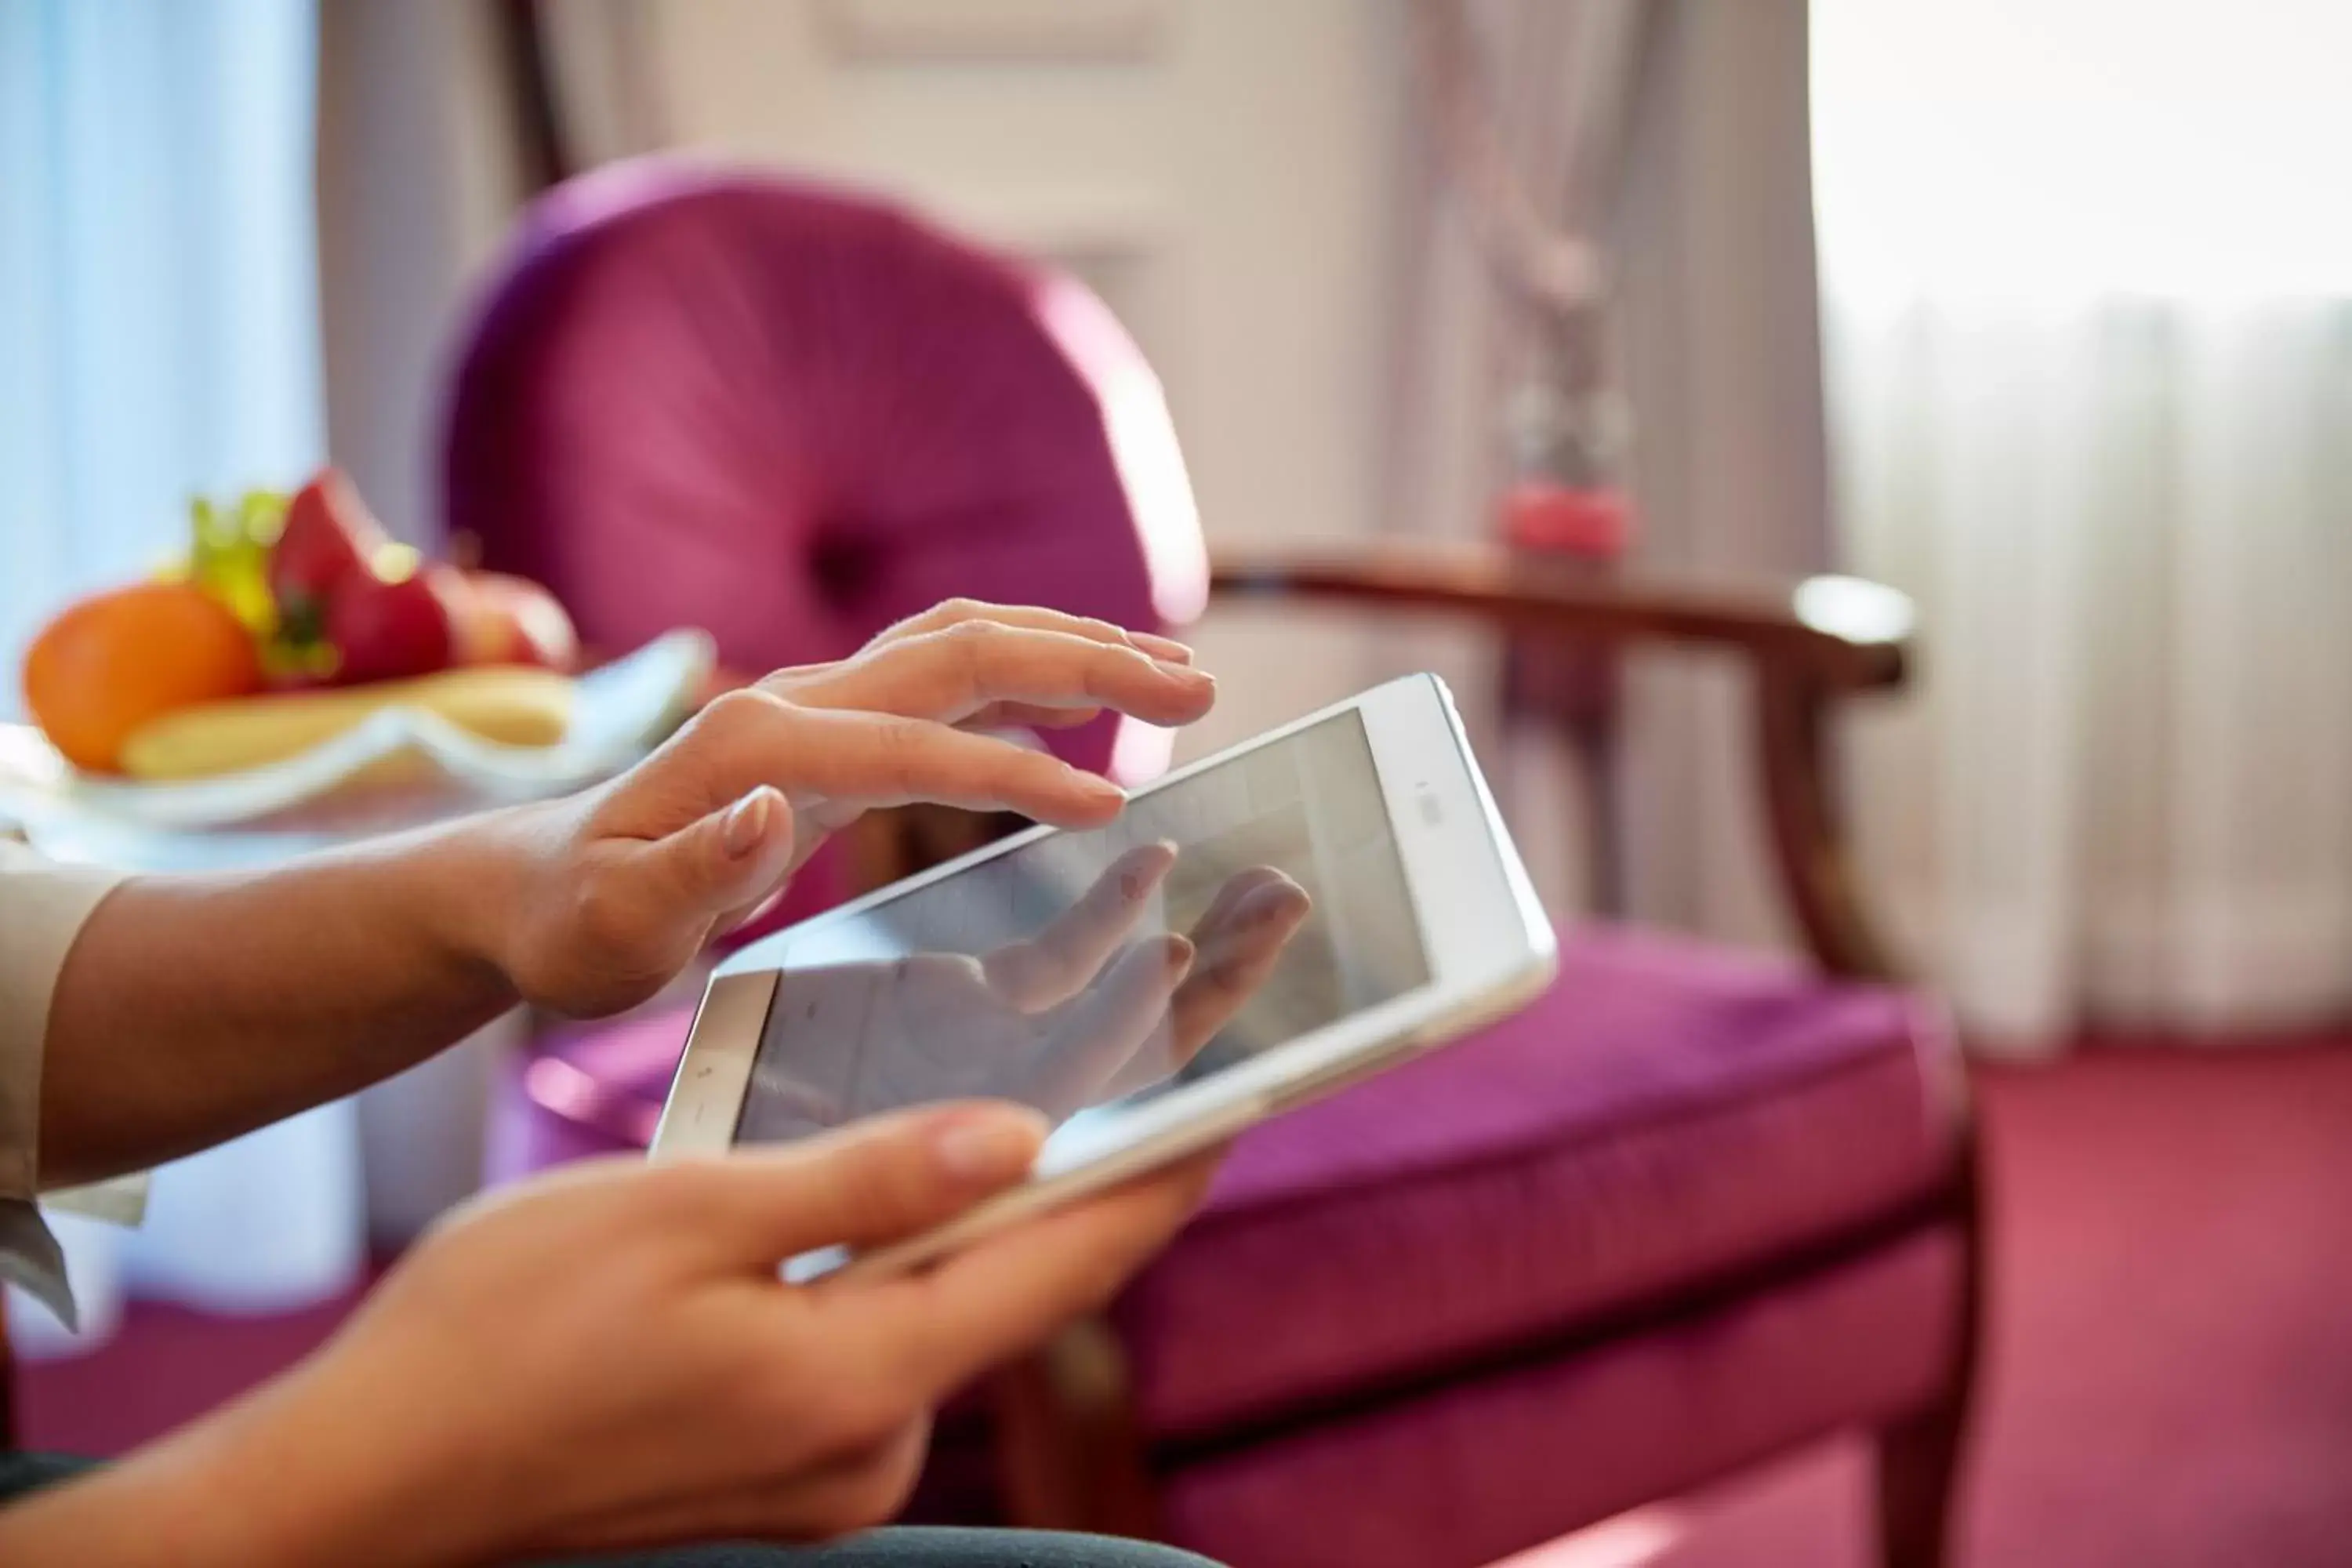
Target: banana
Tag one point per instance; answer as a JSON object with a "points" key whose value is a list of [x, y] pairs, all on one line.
{"points": [[514, 704]]}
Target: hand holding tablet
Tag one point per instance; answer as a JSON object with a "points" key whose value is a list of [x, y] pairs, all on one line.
{"points": [[1251, 933]]}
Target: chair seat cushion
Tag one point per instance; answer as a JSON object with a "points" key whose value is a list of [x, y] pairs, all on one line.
{"points": [[1666, 1118]]}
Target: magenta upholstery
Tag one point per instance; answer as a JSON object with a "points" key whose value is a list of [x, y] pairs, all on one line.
{"points": [[584, 1091], [1670, 1218], [1666, 1114]]}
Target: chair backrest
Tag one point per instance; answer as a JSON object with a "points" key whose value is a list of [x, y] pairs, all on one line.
{"points": [[792, 416]]}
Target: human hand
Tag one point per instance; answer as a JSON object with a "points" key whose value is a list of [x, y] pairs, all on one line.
{"points": [[1059, 1021], [980, 666], [982, 686], [606, 1359], [590, 905]]}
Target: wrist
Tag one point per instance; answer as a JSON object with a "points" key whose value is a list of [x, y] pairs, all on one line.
{"points": [[479, 898], [343, 1464]]}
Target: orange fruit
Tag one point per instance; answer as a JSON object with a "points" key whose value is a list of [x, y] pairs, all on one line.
{"points": [[110, 663]]}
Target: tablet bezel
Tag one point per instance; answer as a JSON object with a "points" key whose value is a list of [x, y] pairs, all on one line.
{"points": [[1492, 948]]}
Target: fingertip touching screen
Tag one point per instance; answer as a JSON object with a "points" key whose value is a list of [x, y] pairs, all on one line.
{"points": [[1221, 915]]}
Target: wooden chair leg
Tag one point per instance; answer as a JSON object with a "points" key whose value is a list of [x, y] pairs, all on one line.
{"points": [[1922, 1459], [1807, 828], [1918, 1485], [1070, 1446]]}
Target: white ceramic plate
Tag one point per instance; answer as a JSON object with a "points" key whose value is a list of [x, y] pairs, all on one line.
{"points": [[619, 713]]}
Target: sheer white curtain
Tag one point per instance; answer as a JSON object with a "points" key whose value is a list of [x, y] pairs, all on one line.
{"points": [[2087, 268], [158, 339]]}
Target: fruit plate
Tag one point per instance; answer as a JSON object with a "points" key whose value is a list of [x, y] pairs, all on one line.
{"points": [[618, 713]]}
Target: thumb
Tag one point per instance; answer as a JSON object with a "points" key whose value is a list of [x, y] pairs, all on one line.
{"points": [[728, 859], [876, 1180]]}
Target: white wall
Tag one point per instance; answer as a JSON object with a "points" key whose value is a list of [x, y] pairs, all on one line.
{"points": [[1221, 173]]}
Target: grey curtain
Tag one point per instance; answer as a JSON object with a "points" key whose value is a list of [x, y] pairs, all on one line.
{"points": [[1719, 315], [1701, 202], [420, 172]]}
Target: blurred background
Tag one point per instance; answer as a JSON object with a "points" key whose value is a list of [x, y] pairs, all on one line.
{"points": [[1990, 364]]}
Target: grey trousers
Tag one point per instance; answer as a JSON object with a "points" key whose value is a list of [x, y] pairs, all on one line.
{"points": [[927, 1548], [24, 1473]]}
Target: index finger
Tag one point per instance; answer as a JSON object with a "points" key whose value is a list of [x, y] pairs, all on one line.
{"points": [[865, 760], [953, 612], [976, 666], [880, 1179]]}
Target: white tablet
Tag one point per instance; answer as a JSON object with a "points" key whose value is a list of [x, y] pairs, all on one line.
{"points": [[1252, 931]]}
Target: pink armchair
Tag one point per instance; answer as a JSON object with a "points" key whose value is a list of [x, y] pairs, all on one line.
{"points": [[1690, 1208]]}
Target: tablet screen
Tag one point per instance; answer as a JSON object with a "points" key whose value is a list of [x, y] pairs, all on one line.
{"points": [[1221, 915]]}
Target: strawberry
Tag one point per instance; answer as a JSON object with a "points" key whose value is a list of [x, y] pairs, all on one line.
{"points": [[329, 536]]}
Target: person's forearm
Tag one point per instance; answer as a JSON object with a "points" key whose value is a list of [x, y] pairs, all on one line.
{"points": [[300, 1472], [193, 1008]]}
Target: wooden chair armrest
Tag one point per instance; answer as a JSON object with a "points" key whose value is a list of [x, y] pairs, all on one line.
{"points": [[1841, 633], [1807, 646]]}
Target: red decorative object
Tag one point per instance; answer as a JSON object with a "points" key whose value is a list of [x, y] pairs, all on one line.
{"points": [[1539, 514]]}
